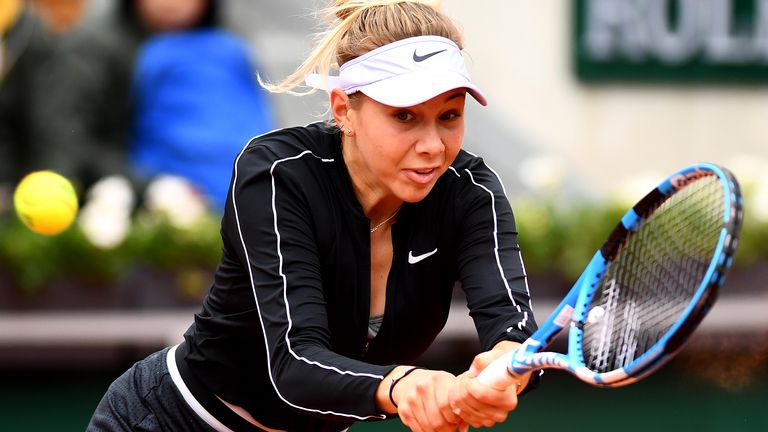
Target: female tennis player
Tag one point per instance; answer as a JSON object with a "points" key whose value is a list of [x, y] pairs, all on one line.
{"points": [[342, 242]]}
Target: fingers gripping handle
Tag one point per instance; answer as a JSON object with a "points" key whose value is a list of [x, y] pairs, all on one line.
{"points": [[497, 374]]}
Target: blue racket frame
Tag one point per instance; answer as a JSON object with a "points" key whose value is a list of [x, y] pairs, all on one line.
{"points": [[573, 309]]}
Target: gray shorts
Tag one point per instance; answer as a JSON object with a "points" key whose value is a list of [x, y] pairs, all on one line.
{"points": [[145, 398]]}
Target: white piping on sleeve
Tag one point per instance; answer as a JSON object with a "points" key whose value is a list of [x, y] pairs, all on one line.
{"points": [[282, 275], [503, 188], [520, 324]]}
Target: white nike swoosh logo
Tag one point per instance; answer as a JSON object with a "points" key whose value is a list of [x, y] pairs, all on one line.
{"points": [[414, 259]]}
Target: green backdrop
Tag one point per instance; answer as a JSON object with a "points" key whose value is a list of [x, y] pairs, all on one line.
{"points": [[673, 399]]}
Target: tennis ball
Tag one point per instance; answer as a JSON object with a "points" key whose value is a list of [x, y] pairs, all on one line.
{"points": [[45, 202]]}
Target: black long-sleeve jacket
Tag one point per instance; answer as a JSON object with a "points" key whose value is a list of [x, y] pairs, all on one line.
{"points": [[283, 330]]}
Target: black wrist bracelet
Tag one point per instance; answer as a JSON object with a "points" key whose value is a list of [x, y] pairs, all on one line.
{"points": [[396, 380]]}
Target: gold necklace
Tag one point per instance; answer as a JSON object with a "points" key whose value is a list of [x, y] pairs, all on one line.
{"points": [[375, 228]]}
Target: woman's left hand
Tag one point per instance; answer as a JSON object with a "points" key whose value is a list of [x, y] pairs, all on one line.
{"points": [[477, 404]]}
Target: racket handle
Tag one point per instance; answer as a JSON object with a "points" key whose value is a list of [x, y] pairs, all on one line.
{"points": [[497, 374]]}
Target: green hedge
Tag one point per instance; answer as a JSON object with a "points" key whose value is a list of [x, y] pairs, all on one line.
{"points": [[555, 237], [31, 260], [562, 237]]}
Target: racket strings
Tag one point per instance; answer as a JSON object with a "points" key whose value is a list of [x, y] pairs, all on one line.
{"points": [[654, 277]]}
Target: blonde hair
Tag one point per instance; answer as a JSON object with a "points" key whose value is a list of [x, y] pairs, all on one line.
{"points": [[362, 26]]}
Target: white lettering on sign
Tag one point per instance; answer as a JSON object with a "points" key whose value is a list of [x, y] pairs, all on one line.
{"points": [[641, 30]]}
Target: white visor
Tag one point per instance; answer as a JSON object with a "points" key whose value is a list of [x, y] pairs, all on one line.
{"points": [[404, 73]]}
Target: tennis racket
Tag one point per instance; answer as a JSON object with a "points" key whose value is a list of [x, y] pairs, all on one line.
{"points": [[645, 290]]}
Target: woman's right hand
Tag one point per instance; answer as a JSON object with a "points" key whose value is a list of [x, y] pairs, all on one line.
{"points": [[422, 399]]}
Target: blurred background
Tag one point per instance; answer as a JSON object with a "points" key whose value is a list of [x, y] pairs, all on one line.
{"points": [[591, 103]]}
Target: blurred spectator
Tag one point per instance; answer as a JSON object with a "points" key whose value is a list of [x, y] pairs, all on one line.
{"points": [[86, 107], [84, 101], [26, 43], [60, 15], [197, 103]]}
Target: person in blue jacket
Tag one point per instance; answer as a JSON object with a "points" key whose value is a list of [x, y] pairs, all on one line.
{"points": [[86, 100], [196, 100]]}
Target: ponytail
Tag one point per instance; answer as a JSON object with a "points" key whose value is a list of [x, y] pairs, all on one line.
{"points": [[360, 26]]}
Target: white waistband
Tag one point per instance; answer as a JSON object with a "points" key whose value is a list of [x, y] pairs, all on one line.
{"points": [[188, 397]]}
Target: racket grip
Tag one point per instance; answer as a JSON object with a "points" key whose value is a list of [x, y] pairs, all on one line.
{"points": [[497, 374]]}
